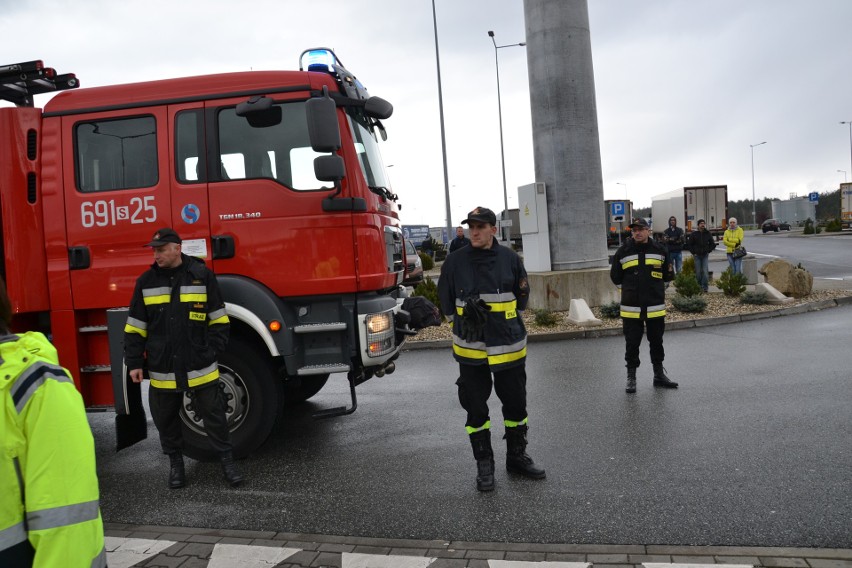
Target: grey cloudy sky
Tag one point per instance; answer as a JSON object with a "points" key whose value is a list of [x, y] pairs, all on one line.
{"points": [[683, 86]]}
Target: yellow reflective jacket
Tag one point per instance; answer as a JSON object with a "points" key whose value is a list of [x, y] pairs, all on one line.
{"points": [[49, 510]]}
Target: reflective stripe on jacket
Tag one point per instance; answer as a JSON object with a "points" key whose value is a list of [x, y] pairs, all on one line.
{"points": [[177, 318], [641, 271], [497, 277], [49, 509]]}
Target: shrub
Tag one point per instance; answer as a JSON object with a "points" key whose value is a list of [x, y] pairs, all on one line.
{"points": [[686, 284], [611, 310], [834, 226], [688, 265], [545, 318], [428, 263], [757, 298], [692, 304], [731, 284], [429, 290], [811, 228]]}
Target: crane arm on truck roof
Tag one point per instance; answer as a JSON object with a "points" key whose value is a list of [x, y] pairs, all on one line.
{"points": [[20, 82]]}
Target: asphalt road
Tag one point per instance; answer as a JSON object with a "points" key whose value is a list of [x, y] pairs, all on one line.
{"points": [[753, 450]]}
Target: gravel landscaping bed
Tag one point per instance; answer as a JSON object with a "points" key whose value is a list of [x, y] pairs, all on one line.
{"points": [[718, 305]]}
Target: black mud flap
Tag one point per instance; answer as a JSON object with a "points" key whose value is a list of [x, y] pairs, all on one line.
{"points": [[131, 423]]}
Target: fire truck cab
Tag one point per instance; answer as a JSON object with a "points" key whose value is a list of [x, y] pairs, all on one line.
{"points": [[273, 178]]}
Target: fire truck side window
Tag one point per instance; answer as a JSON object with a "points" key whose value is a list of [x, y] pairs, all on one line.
{"points": [[116, 154], [281, 152], [189, 139]]}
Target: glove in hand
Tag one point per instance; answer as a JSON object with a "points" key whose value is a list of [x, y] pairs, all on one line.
{"points": [[473, 320]]}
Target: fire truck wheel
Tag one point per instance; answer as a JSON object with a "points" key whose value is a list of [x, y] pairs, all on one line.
{"points": [[253, 395], [309, 386]]}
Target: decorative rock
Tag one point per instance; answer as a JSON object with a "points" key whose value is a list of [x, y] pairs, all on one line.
{"points": [[580, 314], [787, 279]]}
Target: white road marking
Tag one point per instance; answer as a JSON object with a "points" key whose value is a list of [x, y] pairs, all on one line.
{"points": [[125, 552], [667, 565], [530, 564], [357, 560], [248, 556]]}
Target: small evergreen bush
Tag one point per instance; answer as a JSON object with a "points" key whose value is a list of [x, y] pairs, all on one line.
{"points": [[834, 226], [731, 284], [688, 266], [429, 290], [691, 304], [757, 298], [686, 284], [611, 310], [428, 263], [545, 318]]}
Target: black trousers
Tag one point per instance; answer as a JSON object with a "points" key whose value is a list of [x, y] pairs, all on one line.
{"points": [[475, 388], [633, 331], [209, 403]]}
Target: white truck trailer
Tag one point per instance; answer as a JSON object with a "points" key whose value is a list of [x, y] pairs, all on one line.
{"points": [[688, 205], [846, 205]]}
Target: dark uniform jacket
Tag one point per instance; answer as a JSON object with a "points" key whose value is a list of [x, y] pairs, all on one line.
{"points": [[497, 276], [701, 242], [458, 243], [641, 271], [674, 239], [177, 317]]}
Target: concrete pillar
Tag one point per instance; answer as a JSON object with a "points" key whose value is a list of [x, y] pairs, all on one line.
{"points": [[565, 130]]}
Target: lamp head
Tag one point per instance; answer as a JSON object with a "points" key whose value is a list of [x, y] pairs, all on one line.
{"points": [[490, 33]]}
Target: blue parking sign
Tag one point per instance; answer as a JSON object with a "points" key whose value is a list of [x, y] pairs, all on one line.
{"points": [[616, 208], [813, 197]]}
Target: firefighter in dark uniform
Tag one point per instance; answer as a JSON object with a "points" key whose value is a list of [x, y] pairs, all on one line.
{"points": [[640, 268], [483, 288], [177, 328]]}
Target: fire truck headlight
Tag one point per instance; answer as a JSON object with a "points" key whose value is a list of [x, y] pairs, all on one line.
{"points": [[377, 323], [380, 334]]}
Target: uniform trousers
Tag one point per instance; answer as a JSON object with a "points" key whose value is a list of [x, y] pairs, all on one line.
{"points": [[475, 388], [634, 328], [208, 402]]}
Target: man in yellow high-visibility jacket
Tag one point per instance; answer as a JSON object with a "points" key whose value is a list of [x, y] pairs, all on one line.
{"points": [[49, 508]]}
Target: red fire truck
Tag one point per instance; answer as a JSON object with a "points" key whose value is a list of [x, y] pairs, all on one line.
{"points": [[273, 177]]}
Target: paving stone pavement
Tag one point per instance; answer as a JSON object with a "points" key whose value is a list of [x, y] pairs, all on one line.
{"points": [[171, 547]]}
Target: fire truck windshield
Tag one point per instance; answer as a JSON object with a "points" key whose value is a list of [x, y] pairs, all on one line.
{"points": [[368, 154]]}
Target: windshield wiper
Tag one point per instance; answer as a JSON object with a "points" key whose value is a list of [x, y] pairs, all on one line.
{"points": [[384, 192]]}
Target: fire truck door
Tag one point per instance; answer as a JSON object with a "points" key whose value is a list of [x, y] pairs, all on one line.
{"points": [[116, 196]]}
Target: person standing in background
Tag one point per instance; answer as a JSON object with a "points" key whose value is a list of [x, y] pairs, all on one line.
{"points": [[701, 244], [674, 244], [733, 238]]}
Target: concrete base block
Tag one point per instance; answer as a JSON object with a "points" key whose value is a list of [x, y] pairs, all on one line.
{"points": [[580, 314], [554, 290], [773, 295], [750, 269]]}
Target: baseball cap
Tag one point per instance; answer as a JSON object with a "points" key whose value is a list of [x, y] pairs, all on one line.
{"points": [[164, 236], [483, 215], [638, 222]]}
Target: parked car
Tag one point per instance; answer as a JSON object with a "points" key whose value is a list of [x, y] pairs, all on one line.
{"points": [[413, 274], [775, 225]]}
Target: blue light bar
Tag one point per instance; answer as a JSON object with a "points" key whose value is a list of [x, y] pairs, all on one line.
{"points": [[318, 60]]}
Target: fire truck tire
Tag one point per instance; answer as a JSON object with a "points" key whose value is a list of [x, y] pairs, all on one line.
{"points": [[309, 386], [253, 392]]}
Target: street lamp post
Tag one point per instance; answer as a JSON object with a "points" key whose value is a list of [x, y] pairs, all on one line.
{"points": [[753, 201], [849, 123], [844, 175], [500, 122], [629, 220], [449, 220]]}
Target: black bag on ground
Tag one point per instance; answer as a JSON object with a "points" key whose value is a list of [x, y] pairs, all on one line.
{"points": [[422, 313]]}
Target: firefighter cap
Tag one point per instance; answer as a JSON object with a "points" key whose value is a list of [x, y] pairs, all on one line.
{"points": [[164, 236], [483, 215]]}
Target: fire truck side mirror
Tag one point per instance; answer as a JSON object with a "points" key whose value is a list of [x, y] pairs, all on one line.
{"points": [[322, 124], [259, 112], [377, 107], [329, 168]]}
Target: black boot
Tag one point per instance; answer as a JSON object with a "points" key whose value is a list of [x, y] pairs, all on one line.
{"points": [[660, 378], [517, 460], [229, 468], [631, 380], [481, 443], [177, 474]]}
